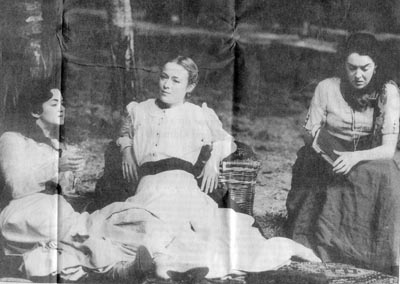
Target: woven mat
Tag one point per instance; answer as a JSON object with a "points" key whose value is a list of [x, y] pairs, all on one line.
{"points": [[295, 273], [305, 273], [337, 273]]}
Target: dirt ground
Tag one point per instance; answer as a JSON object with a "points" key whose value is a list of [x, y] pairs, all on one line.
{"points": [[274, 139]]}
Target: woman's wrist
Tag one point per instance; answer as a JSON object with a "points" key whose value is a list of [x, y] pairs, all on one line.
{"points": [[214, 159], [126, 149], [222, 149], [124, 142], [359, 156]]}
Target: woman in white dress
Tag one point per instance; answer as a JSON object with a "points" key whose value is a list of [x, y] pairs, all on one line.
{"points": [[170, 215], [36, 222], [161, 141]]}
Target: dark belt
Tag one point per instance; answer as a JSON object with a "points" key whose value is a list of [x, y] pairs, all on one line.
{"points": [[170, 164], [362, 143], [51, 188]]}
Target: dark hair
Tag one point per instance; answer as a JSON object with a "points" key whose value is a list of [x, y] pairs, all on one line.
{"points": [[188, 64], [38, 93], [33, 95], [361, 43], [364, 44]]}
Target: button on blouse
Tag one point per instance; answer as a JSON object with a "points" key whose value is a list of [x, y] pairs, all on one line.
{"points": [[329, 109], [178, 132]]}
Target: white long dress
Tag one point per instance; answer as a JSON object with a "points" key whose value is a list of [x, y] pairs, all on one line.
{"points": [[179, 224], [221, 239]]}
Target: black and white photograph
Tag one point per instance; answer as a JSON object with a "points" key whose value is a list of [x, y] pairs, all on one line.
{"points": [[200, 141]]}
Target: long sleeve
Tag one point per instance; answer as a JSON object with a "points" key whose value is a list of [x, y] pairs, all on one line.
{"points": [[222, 142], [316, 116], [389, 105], [26, 165], [126, 131]]}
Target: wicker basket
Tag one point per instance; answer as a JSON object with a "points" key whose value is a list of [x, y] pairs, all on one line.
{"points": [[238, 175]]}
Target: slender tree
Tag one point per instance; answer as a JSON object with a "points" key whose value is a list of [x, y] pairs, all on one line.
{"points": [[125, 77]]}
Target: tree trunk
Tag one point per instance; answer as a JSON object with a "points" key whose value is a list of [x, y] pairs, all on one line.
{"points": [[28, 50], [125, 79]]}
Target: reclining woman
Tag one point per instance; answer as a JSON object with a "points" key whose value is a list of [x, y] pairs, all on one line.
{"points": [[54, 239], [161, 142], [36, 221], [348, 212]]}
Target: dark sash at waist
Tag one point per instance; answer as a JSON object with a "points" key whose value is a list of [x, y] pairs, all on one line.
{"points": [[357, 144], [170, 164], [51, 188]]}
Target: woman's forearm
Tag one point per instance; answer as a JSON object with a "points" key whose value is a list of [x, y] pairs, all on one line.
{"points": [[385, 151], [222, 149], [125, 139], [380, 152]]}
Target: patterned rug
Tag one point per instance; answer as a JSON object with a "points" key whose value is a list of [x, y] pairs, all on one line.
{"points": [[304, 273], [330, 273], [295, 273]]}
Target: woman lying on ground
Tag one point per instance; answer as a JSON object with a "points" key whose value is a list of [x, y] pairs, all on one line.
{"points": [[36, 222], [181, 227], [349, 211]]}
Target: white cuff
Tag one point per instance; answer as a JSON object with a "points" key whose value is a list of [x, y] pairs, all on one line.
{"points": [[124, 142]]}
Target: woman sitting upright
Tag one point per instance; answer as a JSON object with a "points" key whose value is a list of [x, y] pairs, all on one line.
{"points": [[348, 211], [163, 139]]}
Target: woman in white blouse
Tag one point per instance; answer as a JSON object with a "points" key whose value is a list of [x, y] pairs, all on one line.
{"points": [[179, 224], [348, 211], [36, 222], [161, 142]]}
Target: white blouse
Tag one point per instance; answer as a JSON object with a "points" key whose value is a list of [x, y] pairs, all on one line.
{"points": [[329, 109], [178, 132], [27, 165]]}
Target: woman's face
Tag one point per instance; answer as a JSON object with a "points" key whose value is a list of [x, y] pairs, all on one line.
{"points": [[53, 110], [359, 69], [174, 84]]}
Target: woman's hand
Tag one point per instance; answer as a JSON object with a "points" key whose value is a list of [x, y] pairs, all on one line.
{"points": [[210, 175], [129, 168], [71, 163], [345, 162]]}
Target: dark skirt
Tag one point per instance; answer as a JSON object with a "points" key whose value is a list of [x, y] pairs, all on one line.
{"points": [[349, 219]]}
